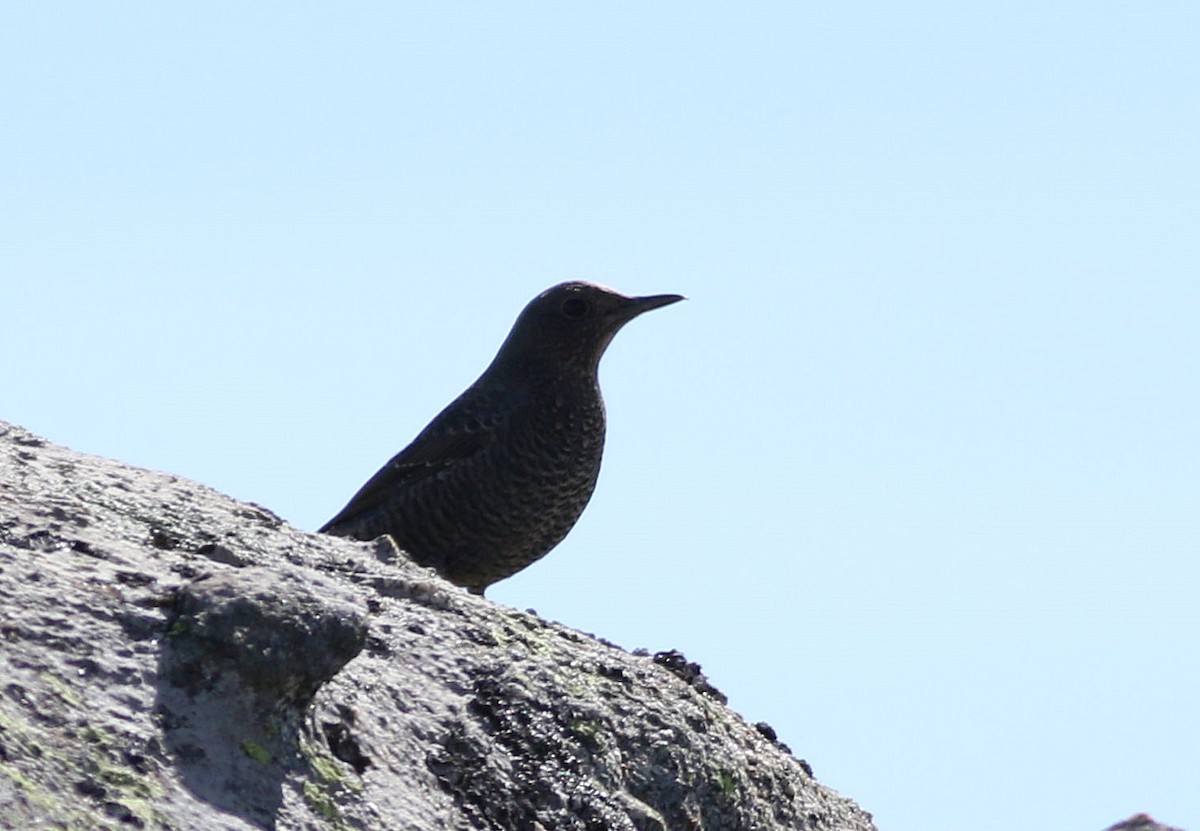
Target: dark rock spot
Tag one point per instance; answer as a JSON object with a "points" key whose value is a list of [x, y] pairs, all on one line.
{"points": [[163, 539], [768, 733], [689, 672], [134, 578], [344, 746], [123, 814], [91, 788]]}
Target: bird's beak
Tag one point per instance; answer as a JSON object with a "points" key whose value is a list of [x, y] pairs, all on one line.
{"points": [[636, 305]]}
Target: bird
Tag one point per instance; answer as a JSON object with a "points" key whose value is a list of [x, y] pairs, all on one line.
{"points": [[501, 475]]}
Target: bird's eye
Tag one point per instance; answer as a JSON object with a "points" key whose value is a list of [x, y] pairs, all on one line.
{"points": [[575, 308]]}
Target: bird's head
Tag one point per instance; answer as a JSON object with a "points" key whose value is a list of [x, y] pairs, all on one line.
{"points": [[572, 324]]}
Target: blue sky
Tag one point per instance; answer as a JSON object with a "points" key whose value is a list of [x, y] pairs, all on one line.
{"points": [[913, 473]]}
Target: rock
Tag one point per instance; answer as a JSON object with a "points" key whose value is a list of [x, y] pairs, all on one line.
{"points": [[284, 633], [173, 659]]}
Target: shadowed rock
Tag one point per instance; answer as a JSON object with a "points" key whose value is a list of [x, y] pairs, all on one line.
{"points": [[284, 634]]}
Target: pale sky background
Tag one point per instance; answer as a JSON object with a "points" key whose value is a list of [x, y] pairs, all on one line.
{"points": [[914, 472]]}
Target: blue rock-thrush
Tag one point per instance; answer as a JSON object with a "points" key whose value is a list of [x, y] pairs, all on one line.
{"points": [[501, 475]]}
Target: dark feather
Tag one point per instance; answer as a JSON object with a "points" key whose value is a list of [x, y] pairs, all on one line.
{"points": [[471, 424]]}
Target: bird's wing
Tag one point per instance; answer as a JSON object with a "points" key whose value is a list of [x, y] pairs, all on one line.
{"points": [[468, 426]]}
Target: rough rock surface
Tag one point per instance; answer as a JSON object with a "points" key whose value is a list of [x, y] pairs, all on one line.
{"points": [[173, 659]]}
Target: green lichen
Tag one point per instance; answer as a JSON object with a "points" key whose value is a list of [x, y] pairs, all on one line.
{"points": [[122, 778], [126, 787], [328, 770], [101, 764], [60, 689], [35, 793], [322, 803], [256, 751], [727, 781], [588, 733]]}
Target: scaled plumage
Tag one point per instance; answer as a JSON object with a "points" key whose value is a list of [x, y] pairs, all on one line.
{"points": [[501, 475]]}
